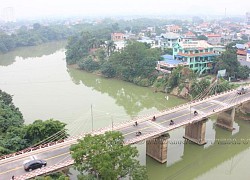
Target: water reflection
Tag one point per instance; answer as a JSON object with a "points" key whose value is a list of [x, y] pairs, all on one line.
{"points": [[133, 99], [195, 161], [29, 52]]}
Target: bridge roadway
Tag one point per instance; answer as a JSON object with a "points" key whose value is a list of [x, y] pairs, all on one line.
{"points": [[58, 156]]}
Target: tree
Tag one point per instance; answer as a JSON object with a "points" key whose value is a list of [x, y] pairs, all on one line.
{"points": [[88, 64], [40, 130], [243, 72], [228, 61], [105, 157], [107, 70], [135, 61], [110, 47], [202, 37]]}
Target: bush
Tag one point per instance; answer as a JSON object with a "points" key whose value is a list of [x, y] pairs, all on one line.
{"points": [[107, 70], [89, 64]]}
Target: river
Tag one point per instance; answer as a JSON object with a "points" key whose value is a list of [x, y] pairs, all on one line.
{"points": [[44, 87]]}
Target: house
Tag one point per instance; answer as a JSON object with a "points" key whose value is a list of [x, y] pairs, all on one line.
{"points": [[242, 51], [173, 28], [118, 37], [248, 55], [148, 41], [189, 36], [169, 39], [213, 39], [199, 55]]}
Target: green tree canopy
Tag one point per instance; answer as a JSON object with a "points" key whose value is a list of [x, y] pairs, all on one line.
{"points": [[15, 136], [135, 61], [105, 157]]}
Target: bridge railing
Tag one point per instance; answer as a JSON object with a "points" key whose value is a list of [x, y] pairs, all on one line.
{"points": [[45, 170]]}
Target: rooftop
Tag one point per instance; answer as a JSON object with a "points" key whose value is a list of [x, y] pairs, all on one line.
{"points": [[195, 44], [169, 60], [213, 35], [170, 35]]}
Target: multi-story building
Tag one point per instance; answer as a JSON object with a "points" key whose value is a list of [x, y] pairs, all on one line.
{"points": [[199, 55], [169, 39], [213, 39], [118, 37], [189, 36]]}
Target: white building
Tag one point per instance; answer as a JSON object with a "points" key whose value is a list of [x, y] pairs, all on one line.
{"points": [[169, 39], [248, 55]]}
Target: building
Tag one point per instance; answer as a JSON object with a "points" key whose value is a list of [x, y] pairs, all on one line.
{"points": [[169, 39], [148, 41], [168, 64], [173, 28], [213, 39], [248, 55], [242, 51], [189, 36], [199, 55], [118, 37]]}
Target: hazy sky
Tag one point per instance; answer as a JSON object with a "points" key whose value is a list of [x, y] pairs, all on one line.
{"points": [[42, 8]]}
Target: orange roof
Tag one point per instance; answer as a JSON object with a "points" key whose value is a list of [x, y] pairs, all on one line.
{"points": [[241, 52], [118, 34], [189, 33]]}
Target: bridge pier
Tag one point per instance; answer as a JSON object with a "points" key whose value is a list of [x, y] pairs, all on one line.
{"points": [[157, 148], [245, 108], [195, 132], [225, 119]]}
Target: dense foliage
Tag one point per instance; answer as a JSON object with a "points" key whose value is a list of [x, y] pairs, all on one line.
{"points": [[15, 136], [30, 37], [105, 157], [135, 63], [57, 176], [228, 60]]}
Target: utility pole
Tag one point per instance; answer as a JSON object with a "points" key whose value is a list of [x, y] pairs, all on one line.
{"points": [[92, 117]]}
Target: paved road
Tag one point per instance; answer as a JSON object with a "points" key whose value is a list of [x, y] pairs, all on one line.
{"points": [[59, 153]]}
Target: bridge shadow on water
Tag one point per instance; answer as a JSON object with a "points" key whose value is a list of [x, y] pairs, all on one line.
{"points": [[198, 160]]}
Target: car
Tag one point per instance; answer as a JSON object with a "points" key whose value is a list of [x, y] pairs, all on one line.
{"points": [[34, 164], [242, 90]]}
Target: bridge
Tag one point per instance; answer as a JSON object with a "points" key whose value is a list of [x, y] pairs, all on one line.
{"points": [[154, 133]]}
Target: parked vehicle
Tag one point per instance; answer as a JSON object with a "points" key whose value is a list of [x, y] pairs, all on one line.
{"points": [[34, 164], [241, 90]]}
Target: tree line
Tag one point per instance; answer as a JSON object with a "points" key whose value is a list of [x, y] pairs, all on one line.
{"points": [[15, 135]]}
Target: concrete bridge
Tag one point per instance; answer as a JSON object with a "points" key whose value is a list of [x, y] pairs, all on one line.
{"points": [[154, 132]]}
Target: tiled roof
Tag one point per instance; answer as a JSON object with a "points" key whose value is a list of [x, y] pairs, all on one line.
{"points": [[241, 52]]}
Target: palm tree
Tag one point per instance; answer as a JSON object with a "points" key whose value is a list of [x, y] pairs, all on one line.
{"points": [[110, 47]]}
